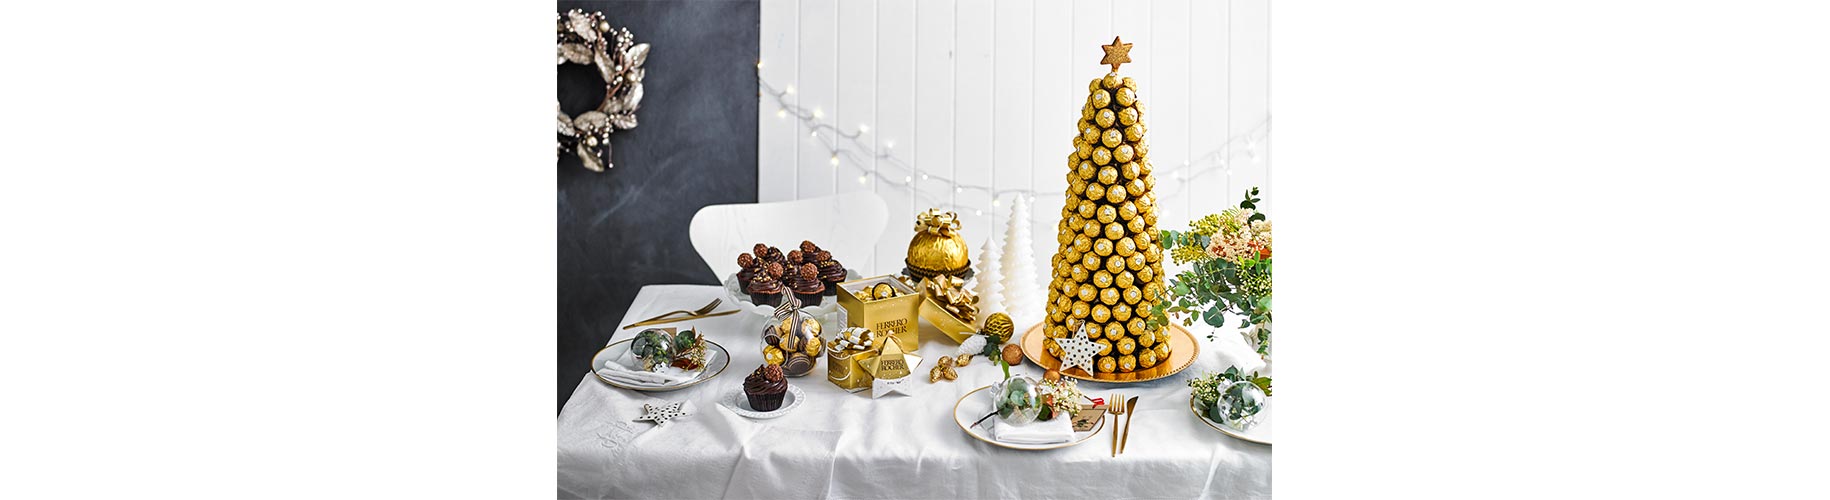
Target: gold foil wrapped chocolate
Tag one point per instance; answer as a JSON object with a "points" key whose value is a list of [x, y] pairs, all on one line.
{"points": [[938, 248]]}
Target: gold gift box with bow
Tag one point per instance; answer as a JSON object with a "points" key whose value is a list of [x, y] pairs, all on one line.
{"points": [[893, 316]]}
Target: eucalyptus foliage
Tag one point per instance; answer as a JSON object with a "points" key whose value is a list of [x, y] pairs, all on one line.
{"points": [[1212, 285]]}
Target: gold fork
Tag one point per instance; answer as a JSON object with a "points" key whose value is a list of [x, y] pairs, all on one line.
{"points": [[687, 314], [1115, 407]]}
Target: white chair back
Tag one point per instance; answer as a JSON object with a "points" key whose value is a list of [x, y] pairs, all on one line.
{"points": [[846, 224]]}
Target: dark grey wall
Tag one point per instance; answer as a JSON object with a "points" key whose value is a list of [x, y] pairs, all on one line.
{"points": [[695, 146]]}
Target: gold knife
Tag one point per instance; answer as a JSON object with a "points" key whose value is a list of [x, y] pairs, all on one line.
{"points": [[1130, 412], [678, 319]]}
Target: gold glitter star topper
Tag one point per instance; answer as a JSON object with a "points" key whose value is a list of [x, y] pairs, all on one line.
{"points": [[1117, 53]]}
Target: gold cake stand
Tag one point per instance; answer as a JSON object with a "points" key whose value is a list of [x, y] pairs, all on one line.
{"points": [[1182, 353]]}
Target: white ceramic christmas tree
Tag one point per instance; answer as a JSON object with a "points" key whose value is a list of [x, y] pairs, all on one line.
{"points": [[1022, 296], [990, 282]]}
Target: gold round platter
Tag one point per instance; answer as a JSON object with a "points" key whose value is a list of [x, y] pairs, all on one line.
{"points": [[1182, 352], [964, 418], [722, 361], [1260, 433]]}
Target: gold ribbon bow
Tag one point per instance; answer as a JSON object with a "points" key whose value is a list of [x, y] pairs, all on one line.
{"points": [[937, 222]]}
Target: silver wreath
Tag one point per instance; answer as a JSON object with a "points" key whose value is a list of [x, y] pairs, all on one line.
{"points": [[586, 38]]}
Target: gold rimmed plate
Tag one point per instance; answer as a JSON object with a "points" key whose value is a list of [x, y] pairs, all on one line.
{"points": [[617, 352], [970, 409], [1182, 352], [1259, 432]]}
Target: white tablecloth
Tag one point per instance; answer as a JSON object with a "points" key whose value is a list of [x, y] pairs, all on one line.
{"points": [[841, 445]]}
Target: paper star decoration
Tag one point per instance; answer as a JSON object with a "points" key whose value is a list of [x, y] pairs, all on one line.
{"points": [[1117, 53], [1077, 351], [661, 414], [883, 387], [892, 362]]}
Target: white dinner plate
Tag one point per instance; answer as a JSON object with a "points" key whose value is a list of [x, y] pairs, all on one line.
{"points": [[740, 404], [1258, 433], [974, 406], [619, 353]]}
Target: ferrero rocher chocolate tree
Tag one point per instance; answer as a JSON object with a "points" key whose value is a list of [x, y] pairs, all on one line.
{"points": [[1108, 265]]}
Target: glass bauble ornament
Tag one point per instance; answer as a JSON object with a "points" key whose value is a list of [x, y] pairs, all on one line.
{"points": [[1018, 400], [653, 348], [1238, 405]]}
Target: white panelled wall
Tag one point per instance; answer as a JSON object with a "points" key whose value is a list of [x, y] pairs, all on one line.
{"points": [[944, 103]]}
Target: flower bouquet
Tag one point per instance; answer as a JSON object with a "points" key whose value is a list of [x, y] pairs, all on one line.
{"points": [[1229, 258]]}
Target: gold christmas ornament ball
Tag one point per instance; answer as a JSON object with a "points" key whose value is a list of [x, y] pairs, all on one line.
{"points": [[999, 327], [1104, 118]]}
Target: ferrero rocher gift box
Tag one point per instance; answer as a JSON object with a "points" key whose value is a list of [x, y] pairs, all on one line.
{"points": [[896, 314]]}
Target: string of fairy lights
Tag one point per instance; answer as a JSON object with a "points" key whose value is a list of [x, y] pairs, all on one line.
{"points": [[851, 147]]}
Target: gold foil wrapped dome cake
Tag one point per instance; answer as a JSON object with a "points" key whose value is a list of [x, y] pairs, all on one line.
{"points": [[938, 248]]}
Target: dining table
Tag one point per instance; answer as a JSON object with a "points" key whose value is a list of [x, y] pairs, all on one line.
{"points": [[843, 444]]}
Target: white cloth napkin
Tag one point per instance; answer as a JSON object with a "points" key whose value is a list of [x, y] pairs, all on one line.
{"points": [[662, 376], [1058, 430]]}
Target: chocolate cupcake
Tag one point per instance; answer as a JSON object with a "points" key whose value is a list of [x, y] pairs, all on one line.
{"points": [[764, 288], [831, 271], [809, 288], [765, 387]]}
